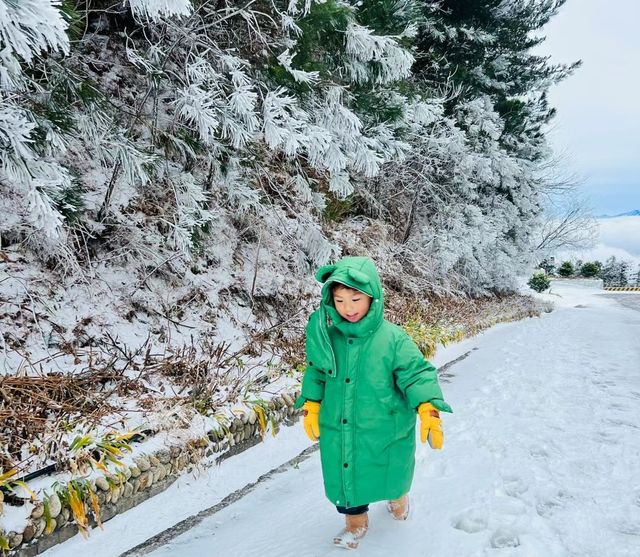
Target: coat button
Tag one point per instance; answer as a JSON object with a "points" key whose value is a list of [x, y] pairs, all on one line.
{"points": [[330, 372], [350, 341], [311, 364], [347, 380], [344, 421], [346, 465]]}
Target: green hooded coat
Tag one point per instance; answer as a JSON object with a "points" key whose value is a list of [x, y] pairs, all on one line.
{"points": [[369, 377]]}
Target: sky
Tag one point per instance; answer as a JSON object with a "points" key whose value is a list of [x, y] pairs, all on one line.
{"points": [[618, 237], [597, 129]]}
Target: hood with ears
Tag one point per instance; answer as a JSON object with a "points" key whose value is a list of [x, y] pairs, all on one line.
{"points": [[360, 274]]}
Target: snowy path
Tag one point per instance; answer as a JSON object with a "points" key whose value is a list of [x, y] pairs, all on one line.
{"points": [[541, 458]]}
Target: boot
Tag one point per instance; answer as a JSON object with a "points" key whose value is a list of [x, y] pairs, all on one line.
{"points": [[355, 529], [399, 508]]}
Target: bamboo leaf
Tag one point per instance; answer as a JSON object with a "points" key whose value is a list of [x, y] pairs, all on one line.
{"points": [[95, 507], [262, 420], [9, 474], [78, 510], [24, 486]]}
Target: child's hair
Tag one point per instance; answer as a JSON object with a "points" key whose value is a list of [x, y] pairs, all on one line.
{"points": [[338, 285]]}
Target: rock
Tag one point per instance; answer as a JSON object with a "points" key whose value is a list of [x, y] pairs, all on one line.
{"points": [[29, 532], [136, 485], [287, 399], [143, 463], [127, 474], [175, 451], [145, 480], [54, 525], [236, 425], [55, 506], [248, 431], [253, 417], [135, 471], [115, 495], [164, 456], [157, 473], [244, 417], [102, 483], [1, 496], [38, 510], [39, 526], [15, 539], [61, 520], [153, 460], [128, 489]]}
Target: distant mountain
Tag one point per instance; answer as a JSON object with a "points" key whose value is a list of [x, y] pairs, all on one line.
{"points": [[635, 213]]}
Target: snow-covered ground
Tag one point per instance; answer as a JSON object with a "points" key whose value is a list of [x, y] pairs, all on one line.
{"points": [[541, 459]]}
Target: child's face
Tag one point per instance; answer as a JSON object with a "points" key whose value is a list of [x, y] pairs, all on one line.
{"points": [[352, 305]]}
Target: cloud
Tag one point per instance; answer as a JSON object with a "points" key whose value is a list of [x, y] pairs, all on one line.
{"points": [[621, 232], [619, 237]]}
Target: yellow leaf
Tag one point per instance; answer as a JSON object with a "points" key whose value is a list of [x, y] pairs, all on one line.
{"points": [[125, 436], [24, 486], [262, 420], [100, 465], [95, 507], [78, 510], [9, 474]]}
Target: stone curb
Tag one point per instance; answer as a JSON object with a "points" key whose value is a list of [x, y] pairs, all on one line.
{"points": [[150, 475]]}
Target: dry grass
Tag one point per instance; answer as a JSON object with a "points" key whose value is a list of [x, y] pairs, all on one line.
{"points": [[36, 411]]}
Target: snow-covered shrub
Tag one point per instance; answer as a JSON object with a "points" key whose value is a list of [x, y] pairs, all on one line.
{"points": [[539, 282], [566, 269]]}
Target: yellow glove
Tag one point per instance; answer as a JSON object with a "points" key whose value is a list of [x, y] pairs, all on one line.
{"points": [[430, 425], [310, 412]]}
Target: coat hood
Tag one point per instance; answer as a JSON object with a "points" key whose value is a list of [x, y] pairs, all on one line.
{"points": [[361, 274]]}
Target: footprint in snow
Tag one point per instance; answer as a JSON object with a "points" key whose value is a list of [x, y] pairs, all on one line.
{"points": [[546, 509], [514, 486], [504, 537], [471, 521], [549, 505]]}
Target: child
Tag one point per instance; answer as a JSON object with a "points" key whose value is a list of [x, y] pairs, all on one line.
{"points": [[365, 379]]}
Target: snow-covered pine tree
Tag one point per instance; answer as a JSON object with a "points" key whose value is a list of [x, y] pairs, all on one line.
{"points": [[281, 111], [32, 183]]}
